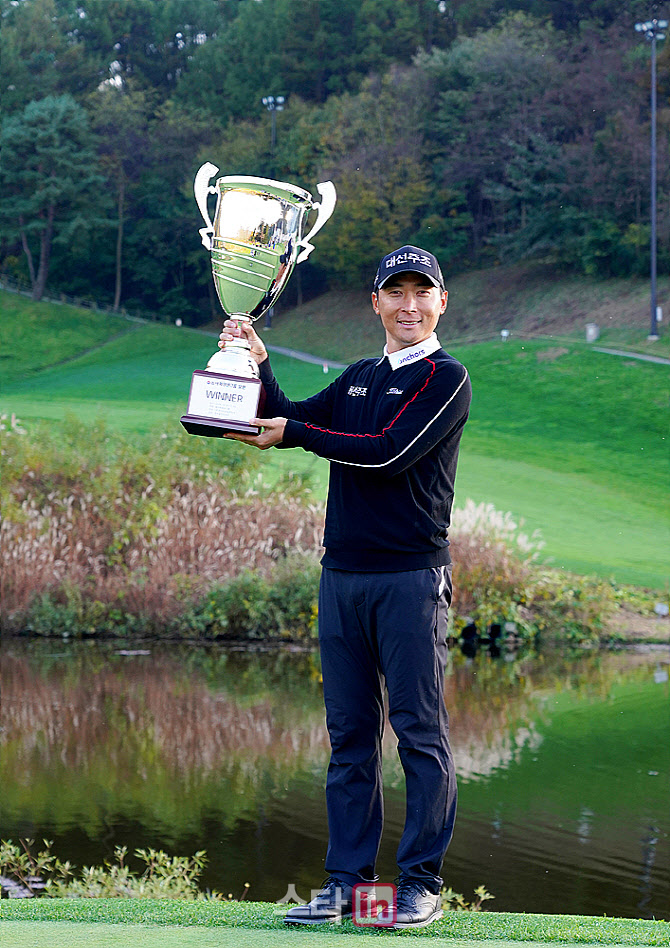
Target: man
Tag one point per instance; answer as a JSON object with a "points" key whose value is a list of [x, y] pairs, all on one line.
{"points": [[391, 428]]}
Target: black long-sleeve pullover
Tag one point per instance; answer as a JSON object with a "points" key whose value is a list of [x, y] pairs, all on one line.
{"points": [[392, 437]]}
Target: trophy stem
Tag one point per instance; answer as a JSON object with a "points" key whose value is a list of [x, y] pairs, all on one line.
{"points": [[242, 342]]}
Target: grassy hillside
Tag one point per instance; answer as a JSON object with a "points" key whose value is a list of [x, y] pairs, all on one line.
{"points": [[61, 361], [527, 299], [575, 442], [34, 337], [571, 441]]}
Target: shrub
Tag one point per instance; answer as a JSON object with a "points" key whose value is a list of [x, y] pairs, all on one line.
{"points": [[455, 902], [42, 873], [573, 608], [493, 569], [253, 606], [497, 579]]}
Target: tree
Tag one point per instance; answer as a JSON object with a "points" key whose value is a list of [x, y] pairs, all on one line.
{"points": [[393, 31], [544, 133], [446, 228], [48, 178], [42, 52], [307, 48], [376, 165], [229, 74], [477, 118], [164, 257], [568, 15], [319, 54], [148, 42], [121, 120]]}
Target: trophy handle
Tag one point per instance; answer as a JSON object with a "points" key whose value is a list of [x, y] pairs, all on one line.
{"points": [[202, 189], [325, 209]]}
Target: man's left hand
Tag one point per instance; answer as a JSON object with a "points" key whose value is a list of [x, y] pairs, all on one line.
{"points": [[272, 434]]}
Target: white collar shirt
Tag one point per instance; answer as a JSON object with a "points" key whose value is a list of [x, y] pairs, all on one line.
{"points": [[412, 353]]}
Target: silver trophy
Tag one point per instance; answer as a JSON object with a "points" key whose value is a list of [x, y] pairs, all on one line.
{"points": [[255, 242]]}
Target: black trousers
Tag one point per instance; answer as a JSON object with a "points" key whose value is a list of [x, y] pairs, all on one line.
{"points": [[376, 628]]}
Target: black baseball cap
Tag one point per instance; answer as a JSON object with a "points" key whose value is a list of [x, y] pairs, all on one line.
{"points": [[409, 259]]}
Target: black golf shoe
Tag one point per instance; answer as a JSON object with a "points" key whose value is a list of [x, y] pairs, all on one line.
{"points": [[416, 905], [330, 904]]}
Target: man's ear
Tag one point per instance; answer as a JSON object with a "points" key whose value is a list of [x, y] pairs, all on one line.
{"points": [[445, 300], [375, 303]]}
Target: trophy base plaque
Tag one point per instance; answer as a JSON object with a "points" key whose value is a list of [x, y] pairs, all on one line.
{"points": [[218, 403]]}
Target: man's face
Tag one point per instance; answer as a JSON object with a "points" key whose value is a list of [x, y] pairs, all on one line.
{"points": [[409, 307]]}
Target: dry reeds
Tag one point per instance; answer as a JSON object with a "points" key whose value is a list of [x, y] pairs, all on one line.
{"points": [[115, 528], [103, 536], [200, 535], [492, 564]]}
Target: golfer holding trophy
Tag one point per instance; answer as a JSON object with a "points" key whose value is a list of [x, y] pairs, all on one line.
{"points": [[255, 241], [390, 426]]}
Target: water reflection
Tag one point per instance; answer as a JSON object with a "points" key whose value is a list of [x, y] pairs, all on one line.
{"points": [[187, 748]]}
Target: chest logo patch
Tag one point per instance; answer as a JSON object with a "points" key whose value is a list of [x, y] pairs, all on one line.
{"points": [[357, 390], [394, 391]]}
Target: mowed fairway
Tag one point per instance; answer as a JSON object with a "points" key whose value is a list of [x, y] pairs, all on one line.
{"points": [[137, 381], [76, 935], [172, 923], [571, 441], [575, 442]]}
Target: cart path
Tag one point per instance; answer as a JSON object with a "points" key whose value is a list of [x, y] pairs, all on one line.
{"points": [[633, 355]]}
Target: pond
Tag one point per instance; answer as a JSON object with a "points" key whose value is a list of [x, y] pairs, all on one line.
{"points": [[563, 763]]}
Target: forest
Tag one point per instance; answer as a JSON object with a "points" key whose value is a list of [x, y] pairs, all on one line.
{"points": [[487, 131]]}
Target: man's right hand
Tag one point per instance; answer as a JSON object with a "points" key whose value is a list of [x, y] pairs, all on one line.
{"points": [[233, 329]]}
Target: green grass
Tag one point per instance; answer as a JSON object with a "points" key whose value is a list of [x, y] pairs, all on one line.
{"points": [[573, 442], [571, 408], [129, 921], [33, 337], [136, 380], [58, 934]]}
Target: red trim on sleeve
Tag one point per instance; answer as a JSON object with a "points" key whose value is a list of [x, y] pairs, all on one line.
{"points": [[348, 434]]}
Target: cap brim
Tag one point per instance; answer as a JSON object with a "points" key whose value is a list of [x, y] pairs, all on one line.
{"points": [[432, 279]]}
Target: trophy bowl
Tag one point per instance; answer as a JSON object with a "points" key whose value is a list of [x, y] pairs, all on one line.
{"points": [[255, 240]]}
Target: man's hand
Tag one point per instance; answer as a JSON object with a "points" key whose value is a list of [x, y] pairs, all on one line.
{"points": [[234, 329], [272, 435]]}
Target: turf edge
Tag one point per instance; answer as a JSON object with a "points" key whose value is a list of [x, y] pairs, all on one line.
{"points": [[573, 929]]}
